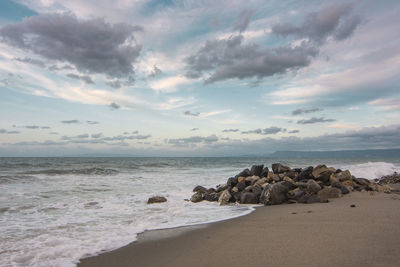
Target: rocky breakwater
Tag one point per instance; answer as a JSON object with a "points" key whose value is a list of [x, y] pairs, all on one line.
{"points": [[259, 185]]}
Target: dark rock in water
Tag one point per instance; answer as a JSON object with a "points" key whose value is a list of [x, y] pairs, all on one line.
{"points": [[211, 197], [197, 197], [276, 193], [244, 173], [232, 181], [241, 186], [279, 168], [313, 186], [211, 190], [156, 199], [305, 174], [222, 187], [264, 172], [237, 196], [256, 170], [329, 192], [249, 198], [200, 189]]}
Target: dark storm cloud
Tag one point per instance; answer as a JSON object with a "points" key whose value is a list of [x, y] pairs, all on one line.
{"points": [[303, 110], [114, 106], [57, 68], [36, 143], [32, 127], [85, 78], [230, 130], [335, 20], [371, 138], [3, 131], [230, 58], [70, 121], [114, 84], [294, 131], [80, 136], [266, 131], [315, 120], [189, 113], [98, 135], [222, 59], [243, 20], [193, 140], [91, 46], [124, 137], [32, 61], [155, 72]]}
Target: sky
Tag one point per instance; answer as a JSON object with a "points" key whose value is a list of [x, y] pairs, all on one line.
{"points": [[198, 78]]}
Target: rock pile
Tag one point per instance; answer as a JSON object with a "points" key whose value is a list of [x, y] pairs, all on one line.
{"points": [[389, 179], [259, 185]]}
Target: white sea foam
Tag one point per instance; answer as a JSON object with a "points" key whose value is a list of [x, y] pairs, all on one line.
{"points": [[371, 170]]}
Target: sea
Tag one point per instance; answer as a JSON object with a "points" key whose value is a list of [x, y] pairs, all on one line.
{"points": [[55, 211]]}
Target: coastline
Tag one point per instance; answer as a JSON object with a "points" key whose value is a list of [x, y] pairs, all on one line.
{"points": [[330, 234]]}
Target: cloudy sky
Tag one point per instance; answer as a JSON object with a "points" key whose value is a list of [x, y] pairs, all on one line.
{"points": [[198, 77]]}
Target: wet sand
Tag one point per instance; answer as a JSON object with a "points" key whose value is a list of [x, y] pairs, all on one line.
{"points": [[322, 234]]}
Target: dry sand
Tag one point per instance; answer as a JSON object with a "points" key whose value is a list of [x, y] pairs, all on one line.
{"points": [[323, 234]]}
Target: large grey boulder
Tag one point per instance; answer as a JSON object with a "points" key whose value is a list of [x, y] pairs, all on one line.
{"points": [[244, 173], [256, 170], [279, 168], [274, 194], [329, 192], [197, 197], [313, 186], [200, 189], [232, 181], [248, 198], [211, 196], [225, 197]]}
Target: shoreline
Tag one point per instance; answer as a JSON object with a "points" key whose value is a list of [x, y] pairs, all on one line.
{"points": [[332, 234]]}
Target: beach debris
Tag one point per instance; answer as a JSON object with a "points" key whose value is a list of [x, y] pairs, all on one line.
{"points": [[352, 206], [259, 185], [156, 199]]}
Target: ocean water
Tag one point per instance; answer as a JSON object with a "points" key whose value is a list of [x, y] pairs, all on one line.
{"points": [[54, 211]]}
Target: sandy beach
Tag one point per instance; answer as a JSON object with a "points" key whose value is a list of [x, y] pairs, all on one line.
{"points": [[321, 234]]}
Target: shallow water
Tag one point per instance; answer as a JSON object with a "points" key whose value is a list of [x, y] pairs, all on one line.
{"points": [[54, 211]]}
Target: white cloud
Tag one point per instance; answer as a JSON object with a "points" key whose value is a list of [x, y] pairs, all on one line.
{"points": [[386, 104], [175, 102], [170, 84]]}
